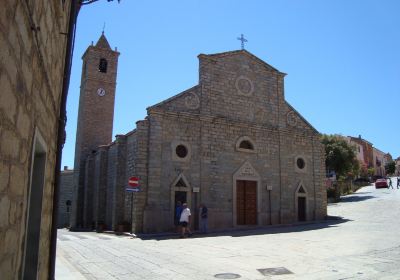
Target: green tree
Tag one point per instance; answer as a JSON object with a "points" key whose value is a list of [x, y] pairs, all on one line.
{"points": [[340, 156], [371, 171], [390, 167], [356, 168]]}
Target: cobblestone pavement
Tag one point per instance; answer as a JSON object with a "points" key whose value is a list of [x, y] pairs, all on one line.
{"points": [[363, 244]]}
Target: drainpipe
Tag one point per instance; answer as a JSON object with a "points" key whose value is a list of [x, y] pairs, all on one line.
{"points": [[61, 132], [279, 151]]}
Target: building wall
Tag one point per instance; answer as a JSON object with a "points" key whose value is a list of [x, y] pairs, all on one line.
{"points": [[397, 161], [138, 146], [379, 162], [367, 150], [100, 186], [211, 120], [88, 192], [213, 162], [211, 133], [65, 200], [32, 53], [359, 149]]}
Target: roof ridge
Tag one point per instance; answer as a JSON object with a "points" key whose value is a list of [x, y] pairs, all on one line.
{"points": [[223, 54], [172, 97]]}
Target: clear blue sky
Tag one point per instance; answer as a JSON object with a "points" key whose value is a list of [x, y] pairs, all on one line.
{"points": [[342, 57]]}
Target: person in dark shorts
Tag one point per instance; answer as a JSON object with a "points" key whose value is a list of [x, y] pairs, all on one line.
{"points": [[184, 220]]}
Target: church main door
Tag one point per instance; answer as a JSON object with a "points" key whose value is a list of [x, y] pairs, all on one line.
{"points": [[246, 202]]}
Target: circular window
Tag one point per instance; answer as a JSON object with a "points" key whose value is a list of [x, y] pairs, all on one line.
{"points": [[244, 86], [300, 163], [181, 151]]}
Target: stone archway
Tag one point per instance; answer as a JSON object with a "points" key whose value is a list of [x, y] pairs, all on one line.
{"points": [[246, 191], [301, 203], [180, 190]]}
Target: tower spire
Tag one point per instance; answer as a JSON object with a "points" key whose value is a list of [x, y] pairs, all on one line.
{"points": [[102, 42]]}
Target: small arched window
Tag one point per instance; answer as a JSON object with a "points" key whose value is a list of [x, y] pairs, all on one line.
{"points": [[245, 144], [103, 65]]}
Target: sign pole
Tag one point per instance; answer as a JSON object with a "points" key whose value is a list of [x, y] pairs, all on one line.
{"points": [[270, 207], [133, 186], [131, 211], [269, 189]]}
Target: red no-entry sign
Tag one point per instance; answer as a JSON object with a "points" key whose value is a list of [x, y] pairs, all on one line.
{"points": [[133, 181]]}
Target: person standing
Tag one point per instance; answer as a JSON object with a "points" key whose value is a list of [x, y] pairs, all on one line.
{"points": [[398, 182], [184, 221], [203, 218]]}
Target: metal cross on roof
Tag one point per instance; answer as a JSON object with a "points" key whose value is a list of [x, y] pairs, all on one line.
{"points": [[242, 39]]}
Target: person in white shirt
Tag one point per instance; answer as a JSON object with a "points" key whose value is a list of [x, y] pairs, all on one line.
{"points": [[184, 220]]}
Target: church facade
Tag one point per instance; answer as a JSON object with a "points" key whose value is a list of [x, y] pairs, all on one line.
{"points": [[231, 142]]}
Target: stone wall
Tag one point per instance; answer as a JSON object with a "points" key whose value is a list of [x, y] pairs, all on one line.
{"points": [[213, 161], [100, 186], [32, 53], [138, 146], [116, 183], [88, 192], [239, 97], [65, 200]]}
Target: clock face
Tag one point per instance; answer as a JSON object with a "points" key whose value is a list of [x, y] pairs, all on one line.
{"points": [[101, 92]]}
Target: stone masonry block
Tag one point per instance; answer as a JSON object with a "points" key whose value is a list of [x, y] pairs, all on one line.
{"points": [[17, 181], [4, 176], [9, 144], [8, 101], [4, 210]]}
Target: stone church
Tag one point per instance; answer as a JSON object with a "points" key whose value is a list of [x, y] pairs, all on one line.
{"points": [[231, 142]]}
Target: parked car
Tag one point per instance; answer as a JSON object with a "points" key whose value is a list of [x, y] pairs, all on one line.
{"points": [[381, 183]]}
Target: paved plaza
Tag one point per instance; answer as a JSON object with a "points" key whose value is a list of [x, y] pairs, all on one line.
{"points": [[361, 240]]}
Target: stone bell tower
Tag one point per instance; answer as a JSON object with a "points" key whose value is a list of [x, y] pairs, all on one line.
{"points": [[95, 117]]}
